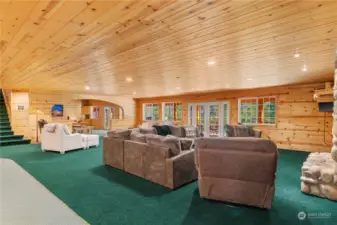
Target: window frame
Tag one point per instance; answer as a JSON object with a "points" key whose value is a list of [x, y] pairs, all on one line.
{"points": [[163, 110], [143, 109], [257, 111]]}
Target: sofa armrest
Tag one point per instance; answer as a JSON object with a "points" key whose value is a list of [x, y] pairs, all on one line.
{"points": [[250, 166], [181, 169], [113, 152]]}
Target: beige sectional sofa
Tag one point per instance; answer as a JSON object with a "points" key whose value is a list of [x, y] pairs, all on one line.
{"points": [[168, 161], [236, 169]]}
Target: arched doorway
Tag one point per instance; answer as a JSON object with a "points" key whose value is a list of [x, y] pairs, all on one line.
{"points": [[100, 114]]}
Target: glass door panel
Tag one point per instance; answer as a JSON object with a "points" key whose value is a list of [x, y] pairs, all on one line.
{"points": [[209, 117], [200, 116], [213, 119], [225, 117]]}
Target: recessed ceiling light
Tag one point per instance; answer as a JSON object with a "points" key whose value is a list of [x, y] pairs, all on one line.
{"points": [[87, 88], [129, 79], [210, 63], [249, 79], [297, 54], [304, 68]]}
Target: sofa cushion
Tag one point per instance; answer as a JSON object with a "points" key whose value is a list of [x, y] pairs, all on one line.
{"points": [[169, 141], [120, 134], [151, 130], [241, 131], [177, 131], [162, 130], [138, 137]]}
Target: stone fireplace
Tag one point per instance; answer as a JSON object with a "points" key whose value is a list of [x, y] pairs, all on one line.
{"points": [[319, 171]]}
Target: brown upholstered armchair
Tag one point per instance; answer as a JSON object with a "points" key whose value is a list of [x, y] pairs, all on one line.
{"points": [[238, 170]]}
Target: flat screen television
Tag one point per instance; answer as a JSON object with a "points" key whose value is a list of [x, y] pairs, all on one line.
{"points": [[325, 106]]}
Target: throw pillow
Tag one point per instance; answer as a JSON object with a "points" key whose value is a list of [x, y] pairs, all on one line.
{"points": [[138, 137], [190, 132], [51, 128], [162, 130], [241, 131]]}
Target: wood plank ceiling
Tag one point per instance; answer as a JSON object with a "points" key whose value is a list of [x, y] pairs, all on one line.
{"points": [[164, 46]]}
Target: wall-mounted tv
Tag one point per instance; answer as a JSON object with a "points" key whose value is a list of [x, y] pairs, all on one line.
{"points": [[57, 110], [325, 107]]}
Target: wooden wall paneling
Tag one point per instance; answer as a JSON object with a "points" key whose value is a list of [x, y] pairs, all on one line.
{"points": [[45, 101], [299, 126], [99, 123], [19, 120]]}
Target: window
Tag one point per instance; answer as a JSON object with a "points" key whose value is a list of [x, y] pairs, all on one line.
{"points": [[151, 111], [259, 110], [225, 116], [172, 111]]}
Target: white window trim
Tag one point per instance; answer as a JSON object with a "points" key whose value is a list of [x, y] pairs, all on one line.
{"points": [[144, 104], [163, 110], [257, 110]]}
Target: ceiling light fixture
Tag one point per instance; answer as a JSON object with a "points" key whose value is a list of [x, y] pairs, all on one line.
{"points": [[210, 63], [87, 87], [129, 79], [134, 93], [249, 79], [305, 68], [297, 54]]}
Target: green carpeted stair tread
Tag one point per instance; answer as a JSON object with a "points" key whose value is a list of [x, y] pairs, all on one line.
{"points": [[11, 137], [5, 127], [14, 142], [6, 132], [7, 136]]}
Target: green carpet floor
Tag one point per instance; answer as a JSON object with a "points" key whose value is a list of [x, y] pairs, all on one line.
{"points": [[104, 195]]}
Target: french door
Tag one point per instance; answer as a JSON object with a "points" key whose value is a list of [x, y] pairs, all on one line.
{"points": [[107, 117], [210, 117]]}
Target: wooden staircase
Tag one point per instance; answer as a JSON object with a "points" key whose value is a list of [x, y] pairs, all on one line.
{"points": [[7, 136]]}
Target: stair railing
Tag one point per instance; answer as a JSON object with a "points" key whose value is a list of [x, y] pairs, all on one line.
{"points": [[4, 94]]}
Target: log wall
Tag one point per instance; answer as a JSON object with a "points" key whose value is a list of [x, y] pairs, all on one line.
{"points": [[299, 126]]}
